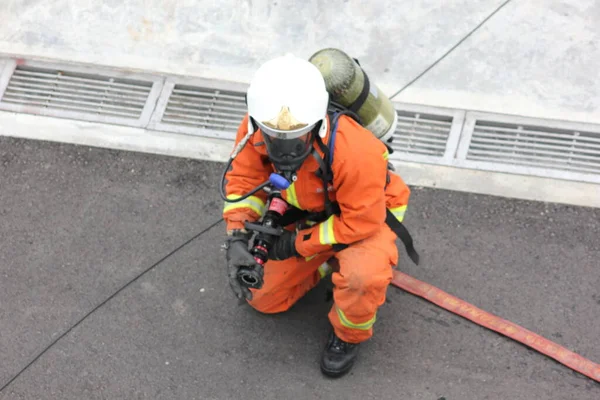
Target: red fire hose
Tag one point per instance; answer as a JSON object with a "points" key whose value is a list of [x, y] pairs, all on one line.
{"points": [[497, 324]]}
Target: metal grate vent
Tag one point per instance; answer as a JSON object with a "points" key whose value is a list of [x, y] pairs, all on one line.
{"points": [[79, 93], [64, 90], [535, 146], [205, 108], [209, 108], [421, 134]]}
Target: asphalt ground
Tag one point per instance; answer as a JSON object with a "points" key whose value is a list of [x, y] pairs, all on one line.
{"points": [[125, 240]]}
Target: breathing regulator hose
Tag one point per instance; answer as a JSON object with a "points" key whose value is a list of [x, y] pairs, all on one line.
{"points": [[234, 154]]}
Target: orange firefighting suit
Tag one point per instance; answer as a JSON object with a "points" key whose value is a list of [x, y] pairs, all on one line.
{"points": [[363, 187]]}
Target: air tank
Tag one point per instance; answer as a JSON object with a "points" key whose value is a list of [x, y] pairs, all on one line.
{"points": [[345, 82]]}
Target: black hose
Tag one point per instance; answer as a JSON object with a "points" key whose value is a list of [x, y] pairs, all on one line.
{"points": [[222, 186]]}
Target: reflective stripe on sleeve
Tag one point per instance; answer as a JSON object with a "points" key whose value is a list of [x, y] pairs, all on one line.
{"points": [[348, 324], [252, 202], [399, 212], [326, 235]]}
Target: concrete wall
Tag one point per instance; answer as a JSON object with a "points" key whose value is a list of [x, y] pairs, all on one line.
{"points": [[535, 57]]}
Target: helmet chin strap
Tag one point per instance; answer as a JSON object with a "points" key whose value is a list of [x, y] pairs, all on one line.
{"points": [[324, 128], [251, 127]]}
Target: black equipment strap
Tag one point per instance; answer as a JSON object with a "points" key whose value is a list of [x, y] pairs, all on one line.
{"points": [[401, 231], [362, 97], [324, 172]]}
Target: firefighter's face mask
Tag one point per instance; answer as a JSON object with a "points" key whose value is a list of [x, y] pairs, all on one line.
{"points": [[288, 150], [289, 154]]}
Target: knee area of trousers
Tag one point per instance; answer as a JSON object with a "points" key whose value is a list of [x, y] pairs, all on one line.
{"points": [[365, 279]]}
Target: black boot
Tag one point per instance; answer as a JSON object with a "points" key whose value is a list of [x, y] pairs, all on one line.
{"points": [[338, 356]]}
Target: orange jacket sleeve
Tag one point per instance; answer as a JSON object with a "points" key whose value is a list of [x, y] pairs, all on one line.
{"points": [[249, 169], [359, 180], [397, 194]]}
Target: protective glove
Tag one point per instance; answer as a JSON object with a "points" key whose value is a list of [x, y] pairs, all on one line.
{"points": [[284, 247], [239, 256]]}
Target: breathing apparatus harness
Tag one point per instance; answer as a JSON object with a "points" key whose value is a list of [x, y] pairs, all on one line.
{"points": [[280, 214]]}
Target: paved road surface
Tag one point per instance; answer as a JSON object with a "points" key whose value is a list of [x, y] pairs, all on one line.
{"points": [[78, 223]]}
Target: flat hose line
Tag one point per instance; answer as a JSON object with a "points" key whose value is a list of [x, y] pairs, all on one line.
{"points": [[497, 324]]}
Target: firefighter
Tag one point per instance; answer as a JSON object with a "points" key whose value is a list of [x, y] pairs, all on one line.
{"points": [[288, 112]]}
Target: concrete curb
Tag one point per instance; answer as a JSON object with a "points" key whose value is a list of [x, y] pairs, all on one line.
{"points": [[201, 148]]}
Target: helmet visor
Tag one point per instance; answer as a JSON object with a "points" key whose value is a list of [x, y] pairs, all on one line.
{"points": [[289, 154]]}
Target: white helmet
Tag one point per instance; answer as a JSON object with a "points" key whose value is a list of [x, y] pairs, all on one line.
{"points": [[287, 99]]}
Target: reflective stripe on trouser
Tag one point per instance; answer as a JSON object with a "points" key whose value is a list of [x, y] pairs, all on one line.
{"points": [[324, 270], [365, 271], [361, 284], [345, 321]]}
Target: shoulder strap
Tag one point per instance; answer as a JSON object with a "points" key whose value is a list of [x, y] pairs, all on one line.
{"points": [[338, 111], [324, 172]]}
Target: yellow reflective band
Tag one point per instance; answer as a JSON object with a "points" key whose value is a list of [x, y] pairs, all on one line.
{"points": [[386, 155], [326, 235], [346, 322], [309, 257], [399, 212], [291, 195], [252, 202], [324, 270]]}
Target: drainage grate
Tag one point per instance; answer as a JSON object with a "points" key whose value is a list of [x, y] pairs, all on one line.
{"points": [[214, 109], [79, 95], [535, 146], [205, 108], [421, 134]]}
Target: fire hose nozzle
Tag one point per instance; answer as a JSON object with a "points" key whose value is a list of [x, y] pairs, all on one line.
{"points": [[250, 277]]}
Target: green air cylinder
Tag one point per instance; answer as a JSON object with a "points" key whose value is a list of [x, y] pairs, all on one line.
{"points": [[350, 86]]}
